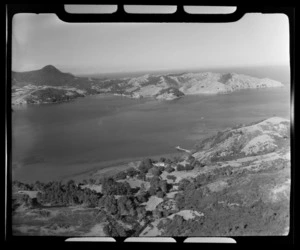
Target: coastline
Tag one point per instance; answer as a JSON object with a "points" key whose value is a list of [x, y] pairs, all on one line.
{"points": [[80, 169], [24, 104], [167, 98], [109, 168]]}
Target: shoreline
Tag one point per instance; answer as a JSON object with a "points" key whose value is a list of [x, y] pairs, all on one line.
{"points": [[114, 166], [209, 93], [79, 169], [16, 105]]}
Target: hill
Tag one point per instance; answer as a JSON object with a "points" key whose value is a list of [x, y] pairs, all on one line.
{"points": [[49, 85], [27, 86], [234, 183], [198, 83], [260, 138], [48, 75]]}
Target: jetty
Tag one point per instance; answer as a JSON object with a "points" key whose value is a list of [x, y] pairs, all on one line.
{"points": [[184, 150]]}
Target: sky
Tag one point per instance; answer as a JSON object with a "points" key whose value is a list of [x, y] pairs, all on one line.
{"points": [[42, 39]]}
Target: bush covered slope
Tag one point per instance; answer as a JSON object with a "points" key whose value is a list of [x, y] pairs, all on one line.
{"points": [[236, 182]]}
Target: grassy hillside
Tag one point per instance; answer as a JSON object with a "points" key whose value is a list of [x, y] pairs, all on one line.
{"points": [[161, 87], [234, 183]]}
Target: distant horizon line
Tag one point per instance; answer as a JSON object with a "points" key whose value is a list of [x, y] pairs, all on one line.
{"points": [[183, 70], [154, 70]]}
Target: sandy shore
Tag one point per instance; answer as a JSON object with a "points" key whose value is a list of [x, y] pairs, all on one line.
{"points": [[106, 169]]}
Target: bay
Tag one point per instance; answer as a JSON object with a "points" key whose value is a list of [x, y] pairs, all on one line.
{"points": [[54, 140]]}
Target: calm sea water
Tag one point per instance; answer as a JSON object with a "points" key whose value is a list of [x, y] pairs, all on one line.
{"points": [[50, 141]]}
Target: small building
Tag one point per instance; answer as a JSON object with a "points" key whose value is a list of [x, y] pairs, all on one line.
{"points": [[159, 164]]}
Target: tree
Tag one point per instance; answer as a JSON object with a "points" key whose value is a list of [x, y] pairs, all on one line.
{"points": [[92, 201], [157, 214], [136, 201], [141, 212], [133, 212], [161, 169], [114, 230], [123, 189], [106, 230], [162, 159], [111, 187], [98, 182], [141, 176], [24, 199], [198, 164], [129, 204], [132, 172], [143, 188], [154, 182], [121, 175], [39, 197], [160, 194], [191, 187], [191, 158], [168, 161], [80, 196], [176, 159], [171, 177], [122, 205], [38, 185], [163, 186], [166, 213], [180, 167], [183, 184], [152, 191], [169, 169], [92, 181], [180, 201], [110, 204], [145, 165], [155, 171], [142, 197], [28, 187], [69, 183], [188, 167]]}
